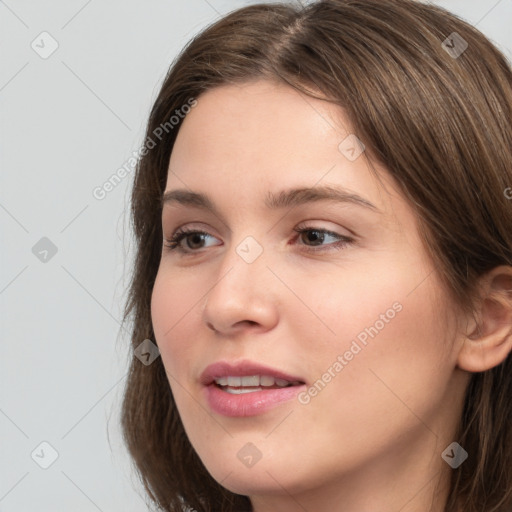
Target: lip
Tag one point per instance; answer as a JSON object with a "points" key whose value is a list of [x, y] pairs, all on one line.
{"points": [[225, 369], [247, 404]]}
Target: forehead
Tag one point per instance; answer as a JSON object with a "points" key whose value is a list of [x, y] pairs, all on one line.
{"points": [[260, 127]]}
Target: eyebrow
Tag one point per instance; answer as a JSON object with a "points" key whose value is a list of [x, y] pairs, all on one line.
{"points": [[284, 199]]}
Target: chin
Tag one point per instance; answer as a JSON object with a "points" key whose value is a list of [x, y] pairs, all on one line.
{"points": [[249, 482], [265, 477]]}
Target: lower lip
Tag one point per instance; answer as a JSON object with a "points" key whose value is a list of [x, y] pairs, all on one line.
{"points": [[248, 404]]}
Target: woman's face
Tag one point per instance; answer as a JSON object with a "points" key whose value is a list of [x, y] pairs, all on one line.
{"points": [[348, 312]]}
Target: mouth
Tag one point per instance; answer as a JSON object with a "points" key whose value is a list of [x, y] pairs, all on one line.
{"points": [[237, 385], [247, 388]]}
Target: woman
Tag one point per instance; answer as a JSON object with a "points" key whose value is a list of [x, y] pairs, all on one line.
{"points": [[325, 264]]}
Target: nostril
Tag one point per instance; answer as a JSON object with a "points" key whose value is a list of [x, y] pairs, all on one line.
{"points": [[246, 323], [237, 324]]}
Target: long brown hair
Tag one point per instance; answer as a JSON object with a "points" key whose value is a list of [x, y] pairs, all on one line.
{"points": [[435, 112]]}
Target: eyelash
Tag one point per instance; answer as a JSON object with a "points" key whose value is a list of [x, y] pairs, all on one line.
{"points": [[174, 242]]}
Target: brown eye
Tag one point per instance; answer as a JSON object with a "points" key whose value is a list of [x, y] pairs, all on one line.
{"points": [[315, 238], [194, 240]]}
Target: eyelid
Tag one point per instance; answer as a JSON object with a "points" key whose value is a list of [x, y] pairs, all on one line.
{"points": [[182, 232]]}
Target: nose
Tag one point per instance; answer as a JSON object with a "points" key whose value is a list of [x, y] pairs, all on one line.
{"points": [[242, 297]]}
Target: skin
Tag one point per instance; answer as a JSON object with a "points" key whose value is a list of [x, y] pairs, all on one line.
{"points": [[372, 439]]}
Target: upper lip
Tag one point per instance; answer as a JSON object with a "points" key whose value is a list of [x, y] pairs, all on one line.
{"points": [[240, 369]]}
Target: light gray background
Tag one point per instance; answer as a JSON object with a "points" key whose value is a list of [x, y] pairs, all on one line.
{"points": [[67, 124]]}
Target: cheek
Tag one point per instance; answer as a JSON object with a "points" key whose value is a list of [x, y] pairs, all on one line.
{"points": [[392, 355], [358, 304], [174, 314], [381, 334]]}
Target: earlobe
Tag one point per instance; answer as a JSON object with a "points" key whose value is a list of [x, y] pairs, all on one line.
{"points": [[489, 342]]}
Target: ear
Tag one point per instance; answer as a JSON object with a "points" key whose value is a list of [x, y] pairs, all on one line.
{"points": [[488, 342]]}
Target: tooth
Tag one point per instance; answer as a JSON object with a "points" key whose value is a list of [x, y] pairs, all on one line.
{"points": [[266, 380], [253, 380], [282, 382], [235, 381], [222, 381], [234, 391]]}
